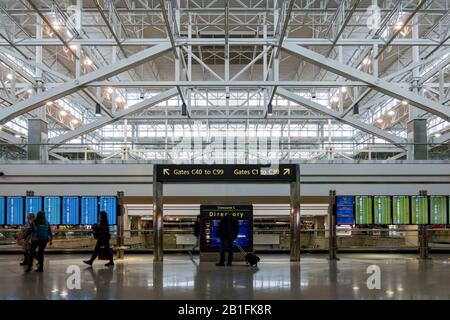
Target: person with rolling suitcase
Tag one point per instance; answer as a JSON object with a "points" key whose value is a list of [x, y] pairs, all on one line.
{"points": [[227, 232], [101, 233]]}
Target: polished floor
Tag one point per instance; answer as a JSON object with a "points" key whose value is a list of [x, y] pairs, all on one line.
{"points": [[180, 277]]}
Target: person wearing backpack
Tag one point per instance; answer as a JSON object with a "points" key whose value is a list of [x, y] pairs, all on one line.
{"points": [[196, 234], [101, 233], [41, 234]]}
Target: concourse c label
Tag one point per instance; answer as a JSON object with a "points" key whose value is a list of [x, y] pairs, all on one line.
{"points": [[227, 173]]}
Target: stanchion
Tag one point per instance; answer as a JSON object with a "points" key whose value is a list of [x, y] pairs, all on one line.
{"points": [[423, 235], [332, 236]]}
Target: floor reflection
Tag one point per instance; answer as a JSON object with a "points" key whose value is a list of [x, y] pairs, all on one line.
{"points": [[183, 277]]}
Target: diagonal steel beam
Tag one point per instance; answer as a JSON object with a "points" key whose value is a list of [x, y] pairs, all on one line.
{"points": [[377, 83], [117, 116], [67, 88], [336, 115], [10, 138]]}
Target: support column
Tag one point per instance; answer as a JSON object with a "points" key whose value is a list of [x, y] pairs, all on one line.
{"points": [[417, 135], [120, 225], [417, 125], [332, 237], [157, 217], [295, 217], [37, 125], [37, 135], [423, 235]]}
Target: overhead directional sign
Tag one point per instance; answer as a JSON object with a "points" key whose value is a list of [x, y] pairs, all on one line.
{"points": [[226, 173]]}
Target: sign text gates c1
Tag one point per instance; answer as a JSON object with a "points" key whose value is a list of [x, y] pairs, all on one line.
{"points": [[226, 173]]}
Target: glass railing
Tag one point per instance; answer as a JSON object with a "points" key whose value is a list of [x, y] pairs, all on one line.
{"points": [[245, 152], [310, 240]]}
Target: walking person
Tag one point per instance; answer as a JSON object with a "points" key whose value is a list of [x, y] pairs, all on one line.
{"points": [[227, 232], [25, 239], [41, 234], [101, 233], [196, 234]]}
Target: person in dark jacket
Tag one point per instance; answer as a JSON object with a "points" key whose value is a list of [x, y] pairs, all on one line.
{"points": [[227, 232], [41, 234], [196, 234], [25, 238], [101, 233]]}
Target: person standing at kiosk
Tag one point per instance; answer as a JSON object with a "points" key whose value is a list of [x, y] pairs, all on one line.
{"points": [[227, 232]]}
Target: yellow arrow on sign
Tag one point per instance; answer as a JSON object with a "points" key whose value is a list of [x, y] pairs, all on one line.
{"points": [[286, 171], [166, 172]]}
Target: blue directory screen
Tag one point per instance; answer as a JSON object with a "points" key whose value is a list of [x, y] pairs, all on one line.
{"points": [[52, 208], [2, 210], [71, 210], [345, 210], [89, 210], [33, 205], [243, 238], [109, 204], [14, 210]]}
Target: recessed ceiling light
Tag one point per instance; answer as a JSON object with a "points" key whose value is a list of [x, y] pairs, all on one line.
{"points": [[391, 112], [88, 61], [343, 89], [49, 103], [379, 120], [335, 99], [404, 102], [9, 76], [63, 113], [437, 135], [74, 121], [110, 90]]}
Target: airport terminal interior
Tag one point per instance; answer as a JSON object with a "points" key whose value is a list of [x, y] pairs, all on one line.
{"points": [[320, 127]]}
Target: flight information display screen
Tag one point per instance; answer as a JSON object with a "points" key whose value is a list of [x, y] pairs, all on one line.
{"points": [[33, 205], [345, 210], [52, 208], [363, 210], [243, 238], [89, 210], [401, 210], [419, 210], [382, 210], [438, 210], [2, 210], [14, 210], [109, 204], [71, 210]]}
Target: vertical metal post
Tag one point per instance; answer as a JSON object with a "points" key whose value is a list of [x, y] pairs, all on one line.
{"points": [[120, 224], [423, 235], [332, 237], [157, 217], [295, 216]]}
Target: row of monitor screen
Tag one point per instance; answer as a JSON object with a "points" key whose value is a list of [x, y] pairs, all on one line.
{"points": [[385, 210], [65, 210]]}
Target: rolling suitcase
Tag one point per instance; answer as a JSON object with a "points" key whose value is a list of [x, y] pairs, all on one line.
{"points": [[251, 258]]}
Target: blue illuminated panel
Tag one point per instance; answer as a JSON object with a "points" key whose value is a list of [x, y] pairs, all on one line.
{"points": [[2, 210], [52, 208], [345, 210], [89, 210], [33, 205], [71, 210], [14, 210], [243, 238], [109, 204]]}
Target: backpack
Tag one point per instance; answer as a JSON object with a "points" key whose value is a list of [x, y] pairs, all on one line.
{"points": [[42, 231]]}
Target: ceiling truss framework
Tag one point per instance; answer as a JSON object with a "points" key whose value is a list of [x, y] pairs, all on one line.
{"points": [[225, 62]]}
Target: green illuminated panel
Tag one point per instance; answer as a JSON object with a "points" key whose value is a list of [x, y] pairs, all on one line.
{"points": [[382, 210], [363, 212], [438, 210], [419, 210], [401, 211]]}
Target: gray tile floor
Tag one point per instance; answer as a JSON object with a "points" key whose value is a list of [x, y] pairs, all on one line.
{"points": [[179, 277]]}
